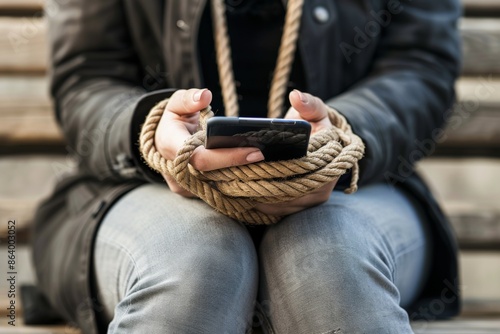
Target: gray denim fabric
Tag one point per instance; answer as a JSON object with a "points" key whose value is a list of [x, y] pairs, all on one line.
{"points": [[167, 264]]}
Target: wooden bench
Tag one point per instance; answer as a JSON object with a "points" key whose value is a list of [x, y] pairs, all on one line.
{"points": [[463, 171]]}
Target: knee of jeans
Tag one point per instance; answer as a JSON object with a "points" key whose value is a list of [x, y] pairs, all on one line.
{"points": [[338, 263], [318, 245], [223, 258], [203, 258]]}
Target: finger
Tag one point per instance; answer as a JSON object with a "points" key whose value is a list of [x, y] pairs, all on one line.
{"points": [[186, 102], [210, 159], [310, 108]]}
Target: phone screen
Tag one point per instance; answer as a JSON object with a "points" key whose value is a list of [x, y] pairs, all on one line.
{"points": [[278, 139]]}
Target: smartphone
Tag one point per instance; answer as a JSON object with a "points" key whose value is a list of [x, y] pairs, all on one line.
{"points": [[278, 139]]}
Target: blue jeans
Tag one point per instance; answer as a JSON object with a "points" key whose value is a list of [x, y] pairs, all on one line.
{"points": [[168, 264]]}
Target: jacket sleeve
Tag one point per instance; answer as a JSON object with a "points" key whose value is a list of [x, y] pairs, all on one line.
{"points": [[399, 109], [96, 86]]}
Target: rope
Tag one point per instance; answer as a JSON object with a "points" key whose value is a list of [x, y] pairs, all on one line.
{"points": [[235, 191], [224, 60], [286, 55]]}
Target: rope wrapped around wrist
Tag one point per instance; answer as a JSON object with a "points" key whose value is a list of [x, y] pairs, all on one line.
{"points": [[234, 191]]}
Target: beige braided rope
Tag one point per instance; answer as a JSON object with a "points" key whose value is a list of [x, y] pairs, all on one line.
{"points": [[285, 58], [224, 61], [235, 191]]}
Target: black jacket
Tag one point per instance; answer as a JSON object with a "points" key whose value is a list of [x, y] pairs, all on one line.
{"points": [[388, 66]]}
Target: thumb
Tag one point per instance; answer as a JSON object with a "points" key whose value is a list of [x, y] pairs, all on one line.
{"points": [[310, 108]]}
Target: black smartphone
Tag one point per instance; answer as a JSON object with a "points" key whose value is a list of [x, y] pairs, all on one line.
{"points": [[278, 139]]}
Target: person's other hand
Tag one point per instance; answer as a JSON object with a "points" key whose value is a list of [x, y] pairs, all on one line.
{"points": [[313, 110], [179, 121]]}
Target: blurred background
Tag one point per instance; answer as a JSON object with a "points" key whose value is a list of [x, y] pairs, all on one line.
{"points": [[464, 169]]}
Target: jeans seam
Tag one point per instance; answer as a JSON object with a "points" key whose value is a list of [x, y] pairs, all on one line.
{"points": [[126, 252], [408, 249], [394, 256], [402, 253]]}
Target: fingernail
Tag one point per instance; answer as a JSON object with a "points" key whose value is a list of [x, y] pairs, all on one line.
{"points": [[197, 95], [255, 156], [302, 96]]}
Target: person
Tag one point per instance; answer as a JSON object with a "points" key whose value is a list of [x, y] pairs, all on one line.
{"points": [[121, 248]]}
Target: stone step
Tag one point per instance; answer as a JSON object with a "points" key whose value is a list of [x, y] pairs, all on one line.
{"points": [[22, 329], [457, 326], [469, 191]]}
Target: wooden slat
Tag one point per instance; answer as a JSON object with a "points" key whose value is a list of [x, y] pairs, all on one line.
{"points": [[479, 91], [481, 46], [21, 5], [481, 7], [22, 329], [476, 326], [469, 192], [475, 137], [473, 128], [477, 231], [478, 131], [25, 181], [26, 116], [23, 45], [471, 326], [471, 5], [38, 330], [476, 308], [482, 4], [457, 327], [479, 274]]}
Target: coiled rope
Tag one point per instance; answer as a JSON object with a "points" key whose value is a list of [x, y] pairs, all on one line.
{"points": [[236, 190]]}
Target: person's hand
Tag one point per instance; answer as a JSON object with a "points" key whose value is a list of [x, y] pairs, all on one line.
{"points": [[313, 110], [179, 121]]}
